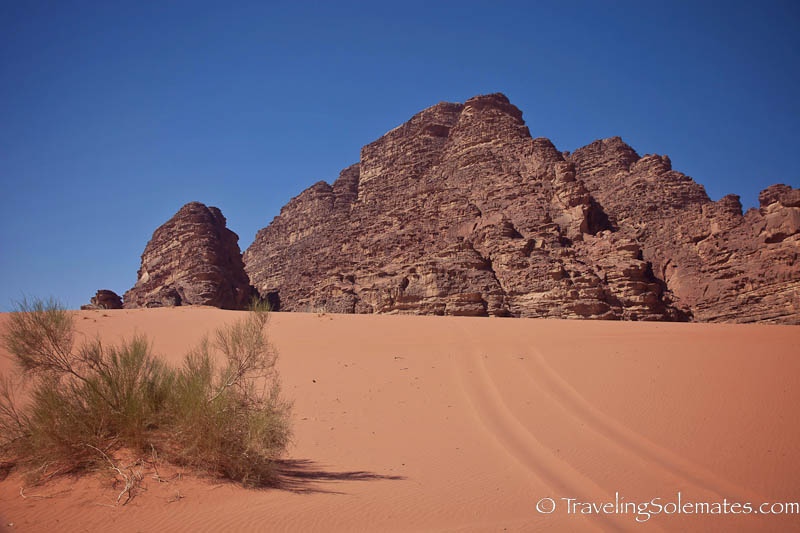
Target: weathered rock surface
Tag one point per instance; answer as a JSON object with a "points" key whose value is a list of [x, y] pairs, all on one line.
{"points": [[460, 211], [104, 299], [719, 264], [193, 259]]}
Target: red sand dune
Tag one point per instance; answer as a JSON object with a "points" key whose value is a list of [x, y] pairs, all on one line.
{"points": [[464, 424]]}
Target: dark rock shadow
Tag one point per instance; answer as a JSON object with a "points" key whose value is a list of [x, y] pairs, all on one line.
{"points": [[5, 469], [304, 476]]}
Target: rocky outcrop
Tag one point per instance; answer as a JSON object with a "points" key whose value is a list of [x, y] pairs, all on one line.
{"points": [[104, 299], [718, 263], [460, 211], [193, 259]]}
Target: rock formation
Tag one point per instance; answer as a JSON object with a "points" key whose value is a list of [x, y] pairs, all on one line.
{"points": [[193, 259], [720, 264], [459, 211], [104, 299]]}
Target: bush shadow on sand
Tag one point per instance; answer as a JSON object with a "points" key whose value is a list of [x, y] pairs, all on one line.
{"points": [[304, 476]]}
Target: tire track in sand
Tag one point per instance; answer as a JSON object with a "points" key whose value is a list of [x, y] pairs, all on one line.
{"points": [[521, 443], [551, 383]]}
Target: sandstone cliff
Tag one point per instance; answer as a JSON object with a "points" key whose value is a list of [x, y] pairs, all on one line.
{"points": [[720, 264], [460, 211], [192, 259]]}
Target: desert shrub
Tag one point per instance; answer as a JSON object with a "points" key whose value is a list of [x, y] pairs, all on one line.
{"points": [[259, 305], [221, 412], [232, 419]]}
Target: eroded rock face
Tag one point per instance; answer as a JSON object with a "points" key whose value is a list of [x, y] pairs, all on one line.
{"points": [[718, 263], [104, 299], [460, 211], [193, 259]]}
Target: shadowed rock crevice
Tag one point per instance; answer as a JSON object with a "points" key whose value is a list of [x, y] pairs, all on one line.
{"points": [[499, 309]]}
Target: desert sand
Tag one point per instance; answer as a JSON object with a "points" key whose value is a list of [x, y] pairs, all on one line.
{"points": [[465, 424]]}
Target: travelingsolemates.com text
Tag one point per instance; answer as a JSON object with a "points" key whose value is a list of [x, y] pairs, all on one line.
{"points": [[642, 511]]}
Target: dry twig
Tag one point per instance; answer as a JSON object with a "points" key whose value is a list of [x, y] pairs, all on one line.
{"points": [[129, 483], [39, 496]]}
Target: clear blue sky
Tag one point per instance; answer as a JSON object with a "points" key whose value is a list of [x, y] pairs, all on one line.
{"points": [[115, 114]]}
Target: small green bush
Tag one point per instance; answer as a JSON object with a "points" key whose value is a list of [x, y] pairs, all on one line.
{"points": [[221, 412], [259, 305]]}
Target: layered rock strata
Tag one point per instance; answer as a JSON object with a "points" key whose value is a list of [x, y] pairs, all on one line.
{"points": [[460, 211], [192, 259]]}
